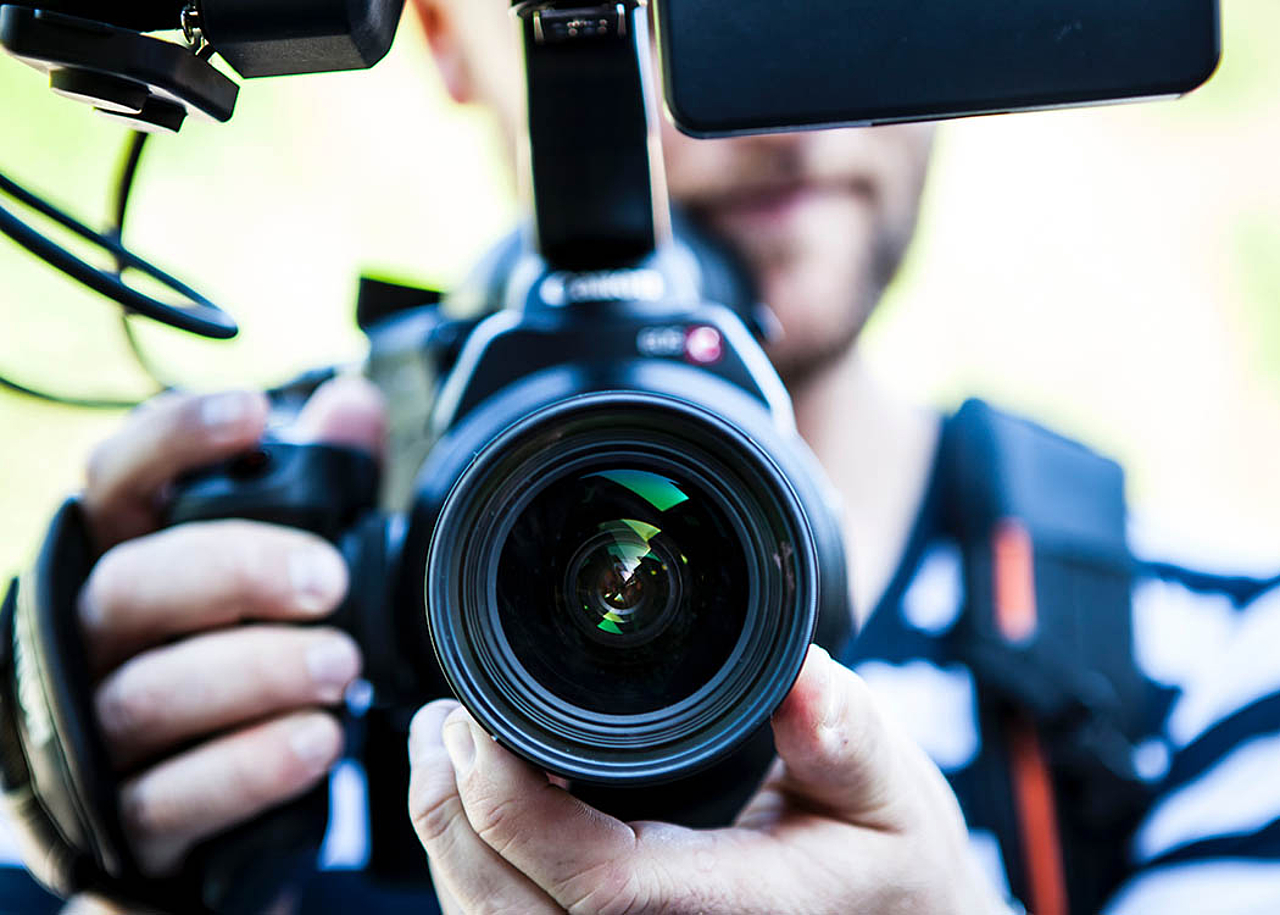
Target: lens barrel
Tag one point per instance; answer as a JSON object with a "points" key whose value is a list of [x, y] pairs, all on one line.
{"points": [[621, 588]]}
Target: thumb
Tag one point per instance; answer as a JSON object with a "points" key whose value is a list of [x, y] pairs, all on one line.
{"points": [[840, 753], [348, 411]]}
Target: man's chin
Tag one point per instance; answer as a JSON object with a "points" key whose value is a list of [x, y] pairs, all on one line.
{"points": [[800, 362], [821, 309]]}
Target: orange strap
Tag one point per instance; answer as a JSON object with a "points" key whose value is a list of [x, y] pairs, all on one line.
{"points": [[1013, 566]]}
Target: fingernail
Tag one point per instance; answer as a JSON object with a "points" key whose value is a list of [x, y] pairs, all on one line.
{"points": [[318, 577], [314, 742], [333, 663], [418, 740], [425, 735], [831, 704], [221, 410], [460, 744]]}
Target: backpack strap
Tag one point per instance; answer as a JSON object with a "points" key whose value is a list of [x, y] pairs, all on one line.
{"points": [[1047, 631]]}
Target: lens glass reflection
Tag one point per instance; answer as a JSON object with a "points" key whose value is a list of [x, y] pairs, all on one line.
{"points": [[623, 590]]}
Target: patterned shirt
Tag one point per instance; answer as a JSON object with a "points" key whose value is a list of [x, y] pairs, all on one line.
{"points": [[1210, 840]]}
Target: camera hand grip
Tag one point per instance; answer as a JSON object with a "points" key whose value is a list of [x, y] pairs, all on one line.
{"points": [[318, 488]]}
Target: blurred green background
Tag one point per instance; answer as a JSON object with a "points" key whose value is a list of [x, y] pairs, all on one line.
{"points": [[1115, 271]]}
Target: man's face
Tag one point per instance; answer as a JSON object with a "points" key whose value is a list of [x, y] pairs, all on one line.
{"points": [[821, 219]]}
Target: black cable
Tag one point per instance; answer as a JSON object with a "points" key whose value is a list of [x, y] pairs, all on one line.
{"points": [[299, 388], [128, 172], [134, 148], [84, 403], [62, 400], [200, 317]]}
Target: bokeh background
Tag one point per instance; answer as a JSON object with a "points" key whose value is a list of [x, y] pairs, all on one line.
{"points": [[1114, 272]]}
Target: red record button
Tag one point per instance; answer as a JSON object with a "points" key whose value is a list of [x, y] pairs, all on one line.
{"points": [[704, 345]]}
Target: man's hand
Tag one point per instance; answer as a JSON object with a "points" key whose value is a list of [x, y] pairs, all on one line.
{"points": [[853, 819], [212, 700]]}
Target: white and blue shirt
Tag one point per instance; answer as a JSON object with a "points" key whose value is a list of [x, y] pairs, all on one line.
{"points": [[1210, 840]]}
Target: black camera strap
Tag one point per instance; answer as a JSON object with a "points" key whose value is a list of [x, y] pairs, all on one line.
{"points": [[55, 776], [1047, 631], [57, 784]]}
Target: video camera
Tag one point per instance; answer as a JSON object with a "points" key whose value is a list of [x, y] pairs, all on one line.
{"points": [[618, 548]]}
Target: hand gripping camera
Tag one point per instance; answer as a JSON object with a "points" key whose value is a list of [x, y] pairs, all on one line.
{"points": [[618, 549]]}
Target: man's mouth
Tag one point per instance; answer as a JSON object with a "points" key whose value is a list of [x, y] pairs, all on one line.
{"points": [[765, 203], [777, 204]]}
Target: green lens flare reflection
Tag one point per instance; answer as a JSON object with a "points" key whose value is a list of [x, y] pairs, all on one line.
{"points": [[646, 532], [654, 488]]}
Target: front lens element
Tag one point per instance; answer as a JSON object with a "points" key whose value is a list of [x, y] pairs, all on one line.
{"points": [[623, 585], [623, 590]]}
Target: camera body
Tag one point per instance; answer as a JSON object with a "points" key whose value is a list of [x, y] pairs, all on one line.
{"points": [[619, 543]]}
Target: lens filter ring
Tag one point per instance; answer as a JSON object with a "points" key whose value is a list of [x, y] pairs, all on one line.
{"points": [[621, 588]]}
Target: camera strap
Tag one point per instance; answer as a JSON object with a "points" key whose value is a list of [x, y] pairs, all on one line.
{"points": [[57, 785], [55, 776], [1047, 631]]}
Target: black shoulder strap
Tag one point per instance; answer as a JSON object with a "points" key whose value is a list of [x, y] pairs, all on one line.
{"points": [[1047, 630]]}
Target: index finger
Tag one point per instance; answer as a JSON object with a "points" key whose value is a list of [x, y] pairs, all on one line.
{"points": [[174, 433], [201, 576]]}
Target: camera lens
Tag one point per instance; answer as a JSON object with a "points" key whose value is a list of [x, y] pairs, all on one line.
{"points": [[623, 590], [621, 587]]}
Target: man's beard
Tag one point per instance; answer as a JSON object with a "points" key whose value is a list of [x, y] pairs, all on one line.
{"points": [[799, 365]]}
